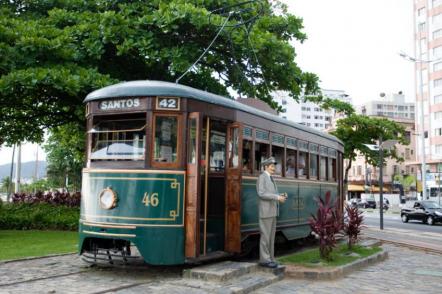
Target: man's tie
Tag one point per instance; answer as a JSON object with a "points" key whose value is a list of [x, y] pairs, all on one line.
{"points": [[273, 181]]}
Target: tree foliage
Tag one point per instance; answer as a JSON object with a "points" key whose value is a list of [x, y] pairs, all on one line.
{"points": [[52, 53], [356, 130], [65, 156]]}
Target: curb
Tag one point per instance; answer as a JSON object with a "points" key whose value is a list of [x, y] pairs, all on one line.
{"points": [[35, 257], [408, 245], [297, 272]]}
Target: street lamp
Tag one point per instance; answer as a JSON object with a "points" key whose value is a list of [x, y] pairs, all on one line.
{"points": [[382, 145], [421, 120]]}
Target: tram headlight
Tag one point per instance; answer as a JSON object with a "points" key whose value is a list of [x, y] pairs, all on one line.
{"points": [[108, 198]]}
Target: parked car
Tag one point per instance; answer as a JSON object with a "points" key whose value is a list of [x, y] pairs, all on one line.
{"points": [[367, 203], [426, 211]]}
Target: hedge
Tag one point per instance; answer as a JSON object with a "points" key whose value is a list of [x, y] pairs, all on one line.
{"points": [[38, 216]]}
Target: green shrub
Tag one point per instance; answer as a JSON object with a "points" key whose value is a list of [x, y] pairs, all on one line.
{"points": [[38, 216]]}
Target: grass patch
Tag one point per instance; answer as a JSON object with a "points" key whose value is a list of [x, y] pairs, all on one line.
{"points": [[21, 244], [339, 256]]}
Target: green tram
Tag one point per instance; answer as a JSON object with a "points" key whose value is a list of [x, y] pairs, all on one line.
{"points": [[172, 170]]}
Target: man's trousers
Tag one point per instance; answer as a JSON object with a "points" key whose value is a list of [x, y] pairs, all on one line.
{"points": [[267, 227]]}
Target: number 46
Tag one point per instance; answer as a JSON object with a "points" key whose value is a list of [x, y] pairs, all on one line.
{"points": [[151, 200]]}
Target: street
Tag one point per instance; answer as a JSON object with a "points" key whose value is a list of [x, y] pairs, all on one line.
{"points": [[371, 219]]}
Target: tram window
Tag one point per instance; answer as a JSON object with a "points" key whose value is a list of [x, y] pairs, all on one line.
{"points": [[290, 167], [118, 140], [234, 148], [301, 164], [323, 168], [247, 156], [313, 165], [332, 169], [278, 154], [191, 148], [166, 139], [261, 153], [217, 149]]}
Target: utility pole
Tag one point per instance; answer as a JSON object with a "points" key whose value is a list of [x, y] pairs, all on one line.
{"points": [[381, 184], [8, 198], [18, 169]]}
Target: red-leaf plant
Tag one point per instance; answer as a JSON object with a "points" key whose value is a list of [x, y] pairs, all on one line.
{"points": [[325, 225], [352, 228]]}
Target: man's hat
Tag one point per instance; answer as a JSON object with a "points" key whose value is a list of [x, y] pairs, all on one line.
{"points": [[268, 161]]}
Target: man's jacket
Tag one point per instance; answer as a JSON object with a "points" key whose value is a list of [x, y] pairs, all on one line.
{"points": [[268, 196]]}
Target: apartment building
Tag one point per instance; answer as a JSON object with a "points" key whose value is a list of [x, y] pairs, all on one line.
{"points": [[308, 113], [428, 52], [391, 106]]}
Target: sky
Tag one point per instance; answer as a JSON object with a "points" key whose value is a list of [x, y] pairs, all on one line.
{"points": [[352, 45]]}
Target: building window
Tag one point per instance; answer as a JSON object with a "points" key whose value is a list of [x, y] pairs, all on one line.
{"points": [[437, 51], [438, 132], [421, 11], [379, 106], [437, 66], [438, 115], [438, 83], [439, 149], [437, 3], [437, 99], [437, 18], [421, 27]]}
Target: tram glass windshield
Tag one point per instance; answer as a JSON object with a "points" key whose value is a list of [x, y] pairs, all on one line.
{"points": [[166, 139], [118, 140]]}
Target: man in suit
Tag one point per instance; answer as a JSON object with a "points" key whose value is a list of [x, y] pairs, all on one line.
{"points": [[268, 211]]}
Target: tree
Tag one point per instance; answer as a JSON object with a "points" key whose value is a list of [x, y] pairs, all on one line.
{"points": [[357, 130], [7, 185], [65, 156], [53, 53]]}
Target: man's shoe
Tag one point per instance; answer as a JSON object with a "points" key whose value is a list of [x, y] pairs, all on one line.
{"points": [[275, 263], [269, 264]]}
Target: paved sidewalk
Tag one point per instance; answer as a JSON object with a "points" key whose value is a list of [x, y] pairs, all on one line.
{"points": [[405, 271]]}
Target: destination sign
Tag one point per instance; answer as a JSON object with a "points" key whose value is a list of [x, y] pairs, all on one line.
{"points": [[119, 104]]}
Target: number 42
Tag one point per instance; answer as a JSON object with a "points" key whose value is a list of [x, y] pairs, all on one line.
{"points": [[168, 103]]}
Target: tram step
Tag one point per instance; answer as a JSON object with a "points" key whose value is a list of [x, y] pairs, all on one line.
{"points": [[228, 270], [221, 271]]}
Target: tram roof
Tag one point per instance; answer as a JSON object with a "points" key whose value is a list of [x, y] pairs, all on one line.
{"points": [[160, 88]]}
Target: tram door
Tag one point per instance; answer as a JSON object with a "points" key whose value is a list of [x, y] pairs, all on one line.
{"points": [[193, 186], [233, 188], [212, 202]]}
